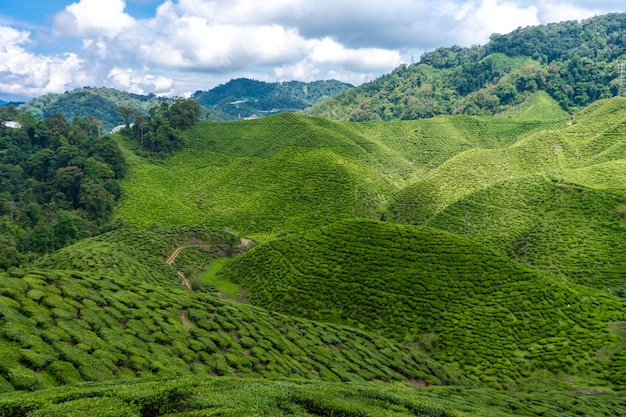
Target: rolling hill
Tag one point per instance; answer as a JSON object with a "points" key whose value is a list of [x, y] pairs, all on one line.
{"points": [[552, 200], [288, 172], [115, 316], [452, 266], [466, 305]]}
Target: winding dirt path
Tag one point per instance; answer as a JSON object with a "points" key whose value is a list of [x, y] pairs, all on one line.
{"points": [[175, 254]]}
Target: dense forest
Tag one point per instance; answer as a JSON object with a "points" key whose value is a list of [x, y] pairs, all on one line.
{"points": [[237, 98], [576, 62], [58, 183], [59, 180]]}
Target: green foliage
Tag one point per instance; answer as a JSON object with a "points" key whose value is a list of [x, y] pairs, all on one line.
{"points": [[404, 283], [241, 98], [99, 103], [58, 183], [227, 396], [552, 200], [576, 62]]}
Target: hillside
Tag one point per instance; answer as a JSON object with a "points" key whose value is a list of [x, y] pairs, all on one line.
{"points": [[242, 97], [564, 186], [117, 315], [288, 173], [575, 62], [465, 304]]}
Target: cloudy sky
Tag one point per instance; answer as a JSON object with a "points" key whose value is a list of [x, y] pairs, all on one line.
{"points": [[175, 47]]}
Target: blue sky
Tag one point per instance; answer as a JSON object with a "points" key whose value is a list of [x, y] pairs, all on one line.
{"points": [[175, 47]]}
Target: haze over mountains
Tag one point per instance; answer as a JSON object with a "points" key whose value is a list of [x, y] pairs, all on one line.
{"points": [[468, 263]]}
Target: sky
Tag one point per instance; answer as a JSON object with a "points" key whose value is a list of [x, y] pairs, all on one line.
{"points": [[177, 47]]}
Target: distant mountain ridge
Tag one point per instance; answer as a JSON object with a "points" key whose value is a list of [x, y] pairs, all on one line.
{"points": [[243, 97], [239, 98], [576, 62]]}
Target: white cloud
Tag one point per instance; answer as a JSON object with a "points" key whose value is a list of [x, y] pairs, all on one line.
{"points": [[129, 80], [26, 74], [559, 12], [476, 21], [94, 19], [194, 44], [329, 51]]}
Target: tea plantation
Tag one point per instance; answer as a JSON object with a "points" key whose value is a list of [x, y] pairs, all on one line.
{"points": [[453, 266], [289, 173], [466, 305], [90, 324], [553, 200]]}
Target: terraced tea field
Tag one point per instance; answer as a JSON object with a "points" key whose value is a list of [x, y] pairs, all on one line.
{"points": [[551, 201], [467, 305], [91, 324]]}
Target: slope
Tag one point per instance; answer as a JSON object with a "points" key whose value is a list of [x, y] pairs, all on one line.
{"points": [[575, 62], [242, 97], [100, 103], [236, 397], [95, 323], [265, 176], [467, 305], [589, 154]]}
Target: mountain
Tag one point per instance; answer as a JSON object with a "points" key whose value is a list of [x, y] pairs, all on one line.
{"points": [[99, 103], [295, 265], [576, 62], [288, 173], [237, 98], [243, 98]]}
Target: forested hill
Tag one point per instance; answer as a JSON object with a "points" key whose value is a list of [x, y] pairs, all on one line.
{"points": [[243, 97], [98, 103], [237, 98], [576, 62]]}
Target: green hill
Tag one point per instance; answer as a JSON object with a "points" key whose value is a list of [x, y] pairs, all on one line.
{"points": [[465, 304], [290, 173], [115, 316], [242, 97], [551, 200], [278, 174], [575, 62], [99, 103]]}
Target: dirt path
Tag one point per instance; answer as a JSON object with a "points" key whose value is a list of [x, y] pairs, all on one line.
{"points": [[173, 257]]}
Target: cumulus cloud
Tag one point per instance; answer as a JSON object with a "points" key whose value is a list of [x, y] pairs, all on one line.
{"points": [[24, 74], [186, 45], [476, 21], [94, 19], [130, 80]]}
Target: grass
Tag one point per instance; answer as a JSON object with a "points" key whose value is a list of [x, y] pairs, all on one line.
{"points": [[468, 306], [227, 288]]}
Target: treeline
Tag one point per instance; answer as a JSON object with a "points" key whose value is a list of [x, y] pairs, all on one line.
{"points": [[576, 62], [159, 132], [58, 183]]}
